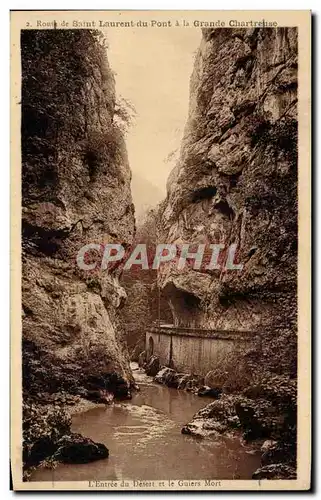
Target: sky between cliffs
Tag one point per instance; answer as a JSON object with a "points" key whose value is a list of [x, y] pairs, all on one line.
{"points": [[153, 68]]}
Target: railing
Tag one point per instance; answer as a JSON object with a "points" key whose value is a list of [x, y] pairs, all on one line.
{"points": [[186, 331]]}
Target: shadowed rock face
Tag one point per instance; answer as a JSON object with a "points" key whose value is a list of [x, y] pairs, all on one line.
{"points": [[236, 181], [75, 190]]}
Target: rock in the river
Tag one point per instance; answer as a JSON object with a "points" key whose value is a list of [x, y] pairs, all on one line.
{"points": [[171, 378], [217, 378], [216, 417], [275, 471], [153, 366], [75, 449], [268, 445], [39, 450], [188, 382], [208, 391], [100, 396], [204, 428], [166, 376]]}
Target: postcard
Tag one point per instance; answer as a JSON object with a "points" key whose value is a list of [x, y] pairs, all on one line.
{"points": [[161, 250]]}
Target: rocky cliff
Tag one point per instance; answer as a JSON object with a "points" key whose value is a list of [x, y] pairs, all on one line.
{"points": [[75, 190], [236, 181]]}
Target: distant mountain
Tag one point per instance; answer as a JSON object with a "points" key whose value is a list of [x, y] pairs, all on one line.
{"points": [[145, 195]]}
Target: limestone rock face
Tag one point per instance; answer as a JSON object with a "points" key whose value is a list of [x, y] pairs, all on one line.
{"points": [[75, 190], [236, 181]]}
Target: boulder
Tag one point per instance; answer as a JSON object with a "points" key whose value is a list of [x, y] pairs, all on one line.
{"points": [[191, 385], [171, 378], [275, 471], [204, 428], [268, 445], [76, 449], [111, 382], [278, 452], [253, 426], [100, 396], [185, 381], [166, 376], [213, 425], [41, 449], [153, 366], [209, 392]]}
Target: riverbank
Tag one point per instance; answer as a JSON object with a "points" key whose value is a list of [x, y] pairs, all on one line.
{"points": [[253, 414], [144, 439]]}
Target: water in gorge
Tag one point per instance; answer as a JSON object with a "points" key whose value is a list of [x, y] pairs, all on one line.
{"points": [[144, 439]]}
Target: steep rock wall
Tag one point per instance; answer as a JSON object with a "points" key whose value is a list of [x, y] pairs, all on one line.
{"points": [[236, 181], [75, 190]]}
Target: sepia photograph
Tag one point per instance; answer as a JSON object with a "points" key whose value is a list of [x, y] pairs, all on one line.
{"points": [[161, 270]]}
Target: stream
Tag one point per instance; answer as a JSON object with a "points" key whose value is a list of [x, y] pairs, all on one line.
{"points": [[144, 439]]}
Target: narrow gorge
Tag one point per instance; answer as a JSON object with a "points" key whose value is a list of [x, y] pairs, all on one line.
{"points": [[228, 335]]}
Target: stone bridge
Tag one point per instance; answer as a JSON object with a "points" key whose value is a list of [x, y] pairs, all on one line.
{"points": [[195, 350]]}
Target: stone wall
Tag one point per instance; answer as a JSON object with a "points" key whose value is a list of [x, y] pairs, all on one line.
{"points": [[188, 353]]}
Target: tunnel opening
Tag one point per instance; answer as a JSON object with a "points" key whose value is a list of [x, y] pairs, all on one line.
{"points": [[185, 307], [190, 301]]}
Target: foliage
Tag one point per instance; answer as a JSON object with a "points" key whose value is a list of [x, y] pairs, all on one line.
{"points": [[43, 373], [42, 429], [260, 388], [125, 114], [40, 422], [102, 150], [100, 37], [264, 386], [61, 62], [274, 145]]}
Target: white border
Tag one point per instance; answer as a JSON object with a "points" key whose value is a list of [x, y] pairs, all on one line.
{"points": [[5, 177]]}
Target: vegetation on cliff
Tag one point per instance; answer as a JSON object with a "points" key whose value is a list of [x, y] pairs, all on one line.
{"points": [[145, 301]]}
